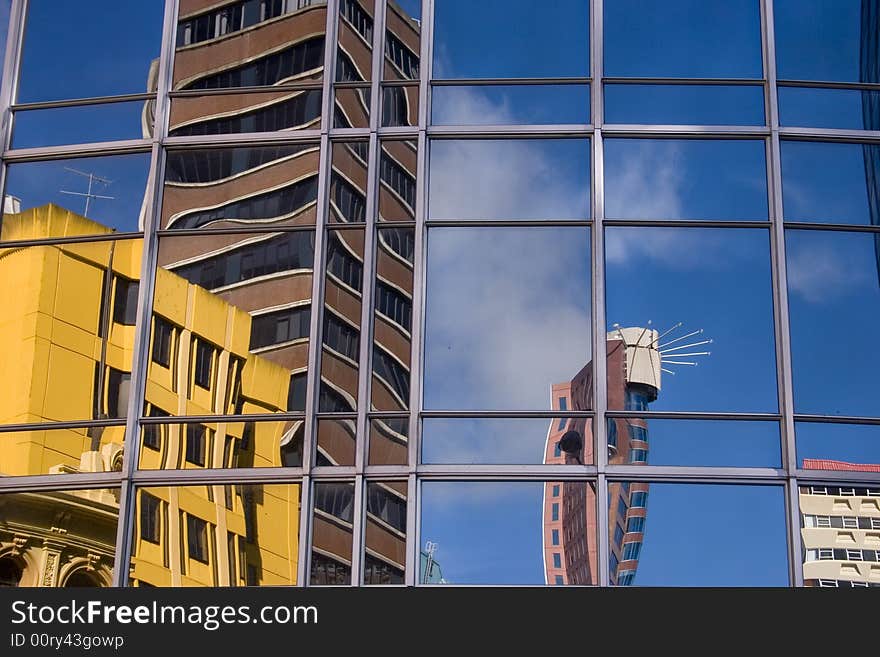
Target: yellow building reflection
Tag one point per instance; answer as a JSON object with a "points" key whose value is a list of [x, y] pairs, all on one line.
{"points": [[66, 348]]}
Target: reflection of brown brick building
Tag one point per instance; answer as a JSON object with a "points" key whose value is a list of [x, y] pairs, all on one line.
{"points": [[570, 520], [272, 190]]}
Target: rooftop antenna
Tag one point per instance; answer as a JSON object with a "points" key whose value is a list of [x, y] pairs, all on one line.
{"points": [[88, 195]]}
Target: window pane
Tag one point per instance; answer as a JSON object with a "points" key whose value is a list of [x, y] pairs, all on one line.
{"points": [[247, 299], [5, 7], [195, 116], [340, 354], [244, 44], [389, 441], [488, 343], [832, 276], [829, 108], [355, 40], [827, 40], [79, 125], [403, 33], [352, 109], [468, 524], [245, 534], [836, 555], [61, 451], [684, 104], [400, 106], [101, 194], [398, 164], [219, 444], [332, 534], [510, 179], [743, 542], [464, 31], [348, 182], [710, 295], [831, 183], [683, 38], [336, 442], [685, 179], [63, 354], [392, 321], [235, 187], [385, 534], [508, 441], [64, 538], [510, 104], [104, 48], [826, 446], [694, 443]]}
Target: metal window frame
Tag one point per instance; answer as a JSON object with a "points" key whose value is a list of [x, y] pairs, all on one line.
{"points": [[789, 477]]}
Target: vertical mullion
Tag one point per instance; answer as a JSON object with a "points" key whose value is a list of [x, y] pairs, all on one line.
{"points": [[358, 530], [9, 87], [305, 531], [778, 266], [149, 257], [413, 551], [412, 563], [313, 371], [597, 255], [11, 66]]}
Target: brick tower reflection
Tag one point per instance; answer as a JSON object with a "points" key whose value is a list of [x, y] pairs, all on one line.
{"points": [[634, 366]]}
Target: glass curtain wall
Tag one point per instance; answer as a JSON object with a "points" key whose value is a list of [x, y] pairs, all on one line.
{"points": [[317, 292]]}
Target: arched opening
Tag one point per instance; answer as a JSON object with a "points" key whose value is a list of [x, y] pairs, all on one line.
{"points": [[10, 572], [81, 578]]}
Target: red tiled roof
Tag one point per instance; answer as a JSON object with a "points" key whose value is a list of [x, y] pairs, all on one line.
{"points": [[827, 464]]}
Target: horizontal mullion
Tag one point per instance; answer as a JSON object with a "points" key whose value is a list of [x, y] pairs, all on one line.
{"points": [[836, 419], [505, 414], [472, 472], [827, 84], [561, 131], [228, 91], [854, 477], [353, 85], [739, 82], [689, 474], [226, 419], [505, 223], [82, 102], [488, 82], [383, 472], [345, 134], [686, 223], [400, 131], [335, 416], [254, 139], [850, 228], [72, 239], [393, 224], [246, 230], [92, 149], [217, 476], [408, 82], [685, 131], [684, 415], [60, 482], [830, 134], [71, 424]]}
